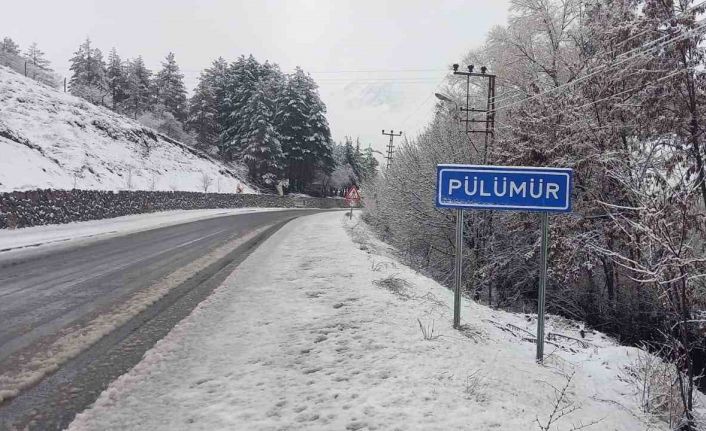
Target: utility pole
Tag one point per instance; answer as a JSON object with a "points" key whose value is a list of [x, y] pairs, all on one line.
{"points": [[489, 111], [488, 130], [390, 146]]}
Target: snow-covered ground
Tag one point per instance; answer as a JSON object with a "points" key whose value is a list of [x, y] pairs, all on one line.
{"points": [[51, 139], [321, 328], [69, 234]]}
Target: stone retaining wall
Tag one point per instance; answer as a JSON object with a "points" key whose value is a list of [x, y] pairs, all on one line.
{"points": [[40, 207]]}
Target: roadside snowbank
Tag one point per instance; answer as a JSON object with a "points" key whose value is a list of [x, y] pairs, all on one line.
{"points": [[71, 233], [316, 330]]}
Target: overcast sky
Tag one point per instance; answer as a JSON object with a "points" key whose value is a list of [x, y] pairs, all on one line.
{"points": [[377, 62]]}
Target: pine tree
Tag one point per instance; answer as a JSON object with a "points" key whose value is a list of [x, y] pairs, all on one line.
{"points": [[241, 81], [207, 105], [306, 138], [169, 89], [34, 65], [217, 79], [343, 175], [260, 147], [352, 156], [319, 139], [203, 114], [35, 57], [139, 87], [116, 79], [292, 126], [369, 164], [10, 54], [9, 46], [38, 67], [89, 74]]}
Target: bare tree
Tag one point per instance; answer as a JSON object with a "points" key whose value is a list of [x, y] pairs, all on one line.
{"points": [[206, 181], [666, 225], [128, 178]]}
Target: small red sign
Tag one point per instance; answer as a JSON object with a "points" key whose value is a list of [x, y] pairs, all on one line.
{"points": [[353, 196]]}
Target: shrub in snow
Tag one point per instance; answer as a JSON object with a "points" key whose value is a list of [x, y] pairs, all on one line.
{"points": [[164, 122]]}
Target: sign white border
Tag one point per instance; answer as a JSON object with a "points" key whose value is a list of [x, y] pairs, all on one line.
{"points": [[560, 172]]}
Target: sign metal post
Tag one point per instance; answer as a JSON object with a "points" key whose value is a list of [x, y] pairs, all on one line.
{"points": [[458, 268], [508, 188], [542, 288]]}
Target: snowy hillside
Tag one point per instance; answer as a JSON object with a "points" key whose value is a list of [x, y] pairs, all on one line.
{"points": [[50, 139]]}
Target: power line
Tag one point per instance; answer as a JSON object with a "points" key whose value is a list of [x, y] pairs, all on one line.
{"points": [[353, 71], [689, 9], [324, 84], [589, 104], [423, 102], [645, 48], [593, 128], [700, 27], [421, 79], [378, 71]]}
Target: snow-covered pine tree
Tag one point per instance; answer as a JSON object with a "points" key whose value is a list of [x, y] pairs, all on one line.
{"points": [[89, 74], [9, 53], [11, 57], [318, 141], [169, 88], [206, 106], [203, 114], [38, 66], [260, 147], [217, 75], [138, 87], [116, 79], [352, 156], [240, 83], [35, 65], [292, 125], [9, 46], [35, 57], [370, 164], [305, 131]]}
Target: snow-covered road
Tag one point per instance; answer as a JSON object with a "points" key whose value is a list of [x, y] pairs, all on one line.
{"points": [[320, 329]]}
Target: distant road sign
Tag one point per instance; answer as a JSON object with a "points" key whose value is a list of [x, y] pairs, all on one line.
{"points": [[504, 188], [353, 196]]}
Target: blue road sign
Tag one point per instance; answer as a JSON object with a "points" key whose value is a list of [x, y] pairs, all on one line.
{"points": [[504, 188]]}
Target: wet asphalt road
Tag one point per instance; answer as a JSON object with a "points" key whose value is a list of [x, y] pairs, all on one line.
{"points": [[43, 293]]}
